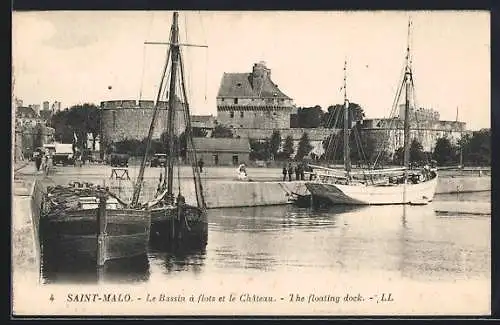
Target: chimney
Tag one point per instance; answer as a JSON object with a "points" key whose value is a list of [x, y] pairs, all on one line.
{"points": [[259, 73]]}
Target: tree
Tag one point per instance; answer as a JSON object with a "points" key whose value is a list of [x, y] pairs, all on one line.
{"points": [[417, 153], [477, 148], [38, 136], [199, 133], [221, 131], [304, 147], [259, 150], [334, 117], [288, 147], [79, 120], [444, 153], [274, 144], [309, 117]]}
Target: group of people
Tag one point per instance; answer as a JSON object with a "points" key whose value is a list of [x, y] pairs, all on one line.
{"points": [[43, 160], [298, 169]]}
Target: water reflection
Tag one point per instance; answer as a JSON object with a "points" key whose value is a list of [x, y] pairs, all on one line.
{"points": [[176, 259], [409, 242], [130, 270]]}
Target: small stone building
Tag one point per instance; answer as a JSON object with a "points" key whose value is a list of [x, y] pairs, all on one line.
{"points": [[222, 151]]}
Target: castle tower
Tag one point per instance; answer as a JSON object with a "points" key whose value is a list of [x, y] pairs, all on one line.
{"points": [[252, 100]]}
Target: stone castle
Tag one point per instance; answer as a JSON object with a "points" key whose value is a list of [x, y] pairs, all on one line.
{"points": [[253, 106]]}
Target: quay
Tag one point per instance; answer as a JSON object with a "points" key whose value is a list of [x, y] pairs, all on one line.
{"points": [[221, 189]]}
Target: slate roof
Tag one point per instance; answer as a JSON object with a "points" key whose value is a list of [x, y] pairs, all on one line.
{"points": [[221, 145], [240, 85], [24, 111]]}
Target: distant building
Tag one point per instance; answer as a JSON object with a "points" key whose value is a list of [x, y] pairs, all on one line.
{"points": [[18, 102], [222, 151], [253, 100], [424, 131], [203, 122], [56, 107], [36, 108], [420, 114], [46, 105], [24, 112]]}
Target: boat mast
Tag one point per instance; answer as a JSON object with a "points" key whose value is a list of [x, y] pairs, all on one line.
{"points": [[347, 158], [407, 81], [174, 50], [140, 177]]}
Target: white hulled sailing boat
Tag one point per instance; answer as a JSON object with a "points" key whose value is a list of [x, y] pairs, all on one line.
{"points": [[393, 186]]}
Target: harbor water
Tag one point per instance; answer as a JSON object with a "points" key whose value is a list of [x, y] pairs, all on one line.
{"points": [[410, 242]]}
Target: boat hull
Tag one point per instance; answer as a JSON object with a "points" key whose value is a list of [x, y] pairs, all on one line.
{"points": [[420, 193], [73, 235], [188, 229]]}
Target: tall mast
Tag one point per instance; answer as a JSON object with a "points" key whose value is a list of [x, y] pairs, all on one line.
{"points": [[140, 177], [407, 81], [347, 158], [174, 50]]}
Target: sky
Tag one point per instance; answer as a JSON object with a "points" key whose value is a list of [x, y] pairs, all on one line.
{"points": [[74, 57]]}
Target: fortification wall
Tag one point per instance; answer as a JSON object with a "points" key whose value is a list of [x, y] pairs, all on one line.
{"points": [[426, 132], [130, 119]]}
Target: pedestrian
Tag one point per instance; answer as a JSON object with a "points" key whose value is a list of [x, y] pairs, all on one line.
{"points": [[38, 161], [297, 172], [310, 170], [284, 172], [200, 165], [290, 172]]}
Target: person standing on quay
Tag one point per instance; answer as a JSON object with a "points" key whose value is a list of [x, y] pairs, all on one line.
{"points": [[200, 164], [38, 161], [290, 172], [284, 172]]}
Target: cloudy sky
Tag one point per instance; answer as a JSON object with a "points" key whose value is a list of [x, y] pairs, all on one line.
{"points": [[73, 57]]}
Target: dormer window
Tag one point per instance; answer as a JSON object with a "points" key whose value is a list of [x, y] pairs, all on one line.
{"points": [[238, 84]]}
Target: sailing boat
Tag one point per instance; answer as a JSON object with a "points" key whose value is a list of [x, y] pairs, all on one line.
{"points": [[172, 219], [394, 186]]}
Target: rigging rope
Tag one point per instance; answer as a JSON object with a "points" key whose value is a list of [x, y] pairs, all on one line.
{"points": [[391, 115], [189, 138], [138, 185]]}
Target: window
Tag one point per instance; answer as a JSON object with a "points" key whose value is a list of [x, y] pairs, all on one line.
{"points": [[236, 100], [241, 114], [231, 114], [235, 159]]}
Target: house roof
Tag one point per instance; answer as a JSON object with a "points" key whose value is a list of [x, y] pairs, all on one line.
{"points": [[240, 85], [221, 145], [25, 111], [202, 118]]}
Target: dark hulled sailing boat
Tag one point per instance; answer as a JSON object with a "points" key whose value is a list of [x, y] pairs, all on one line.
{"points": [[173, 220]]}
